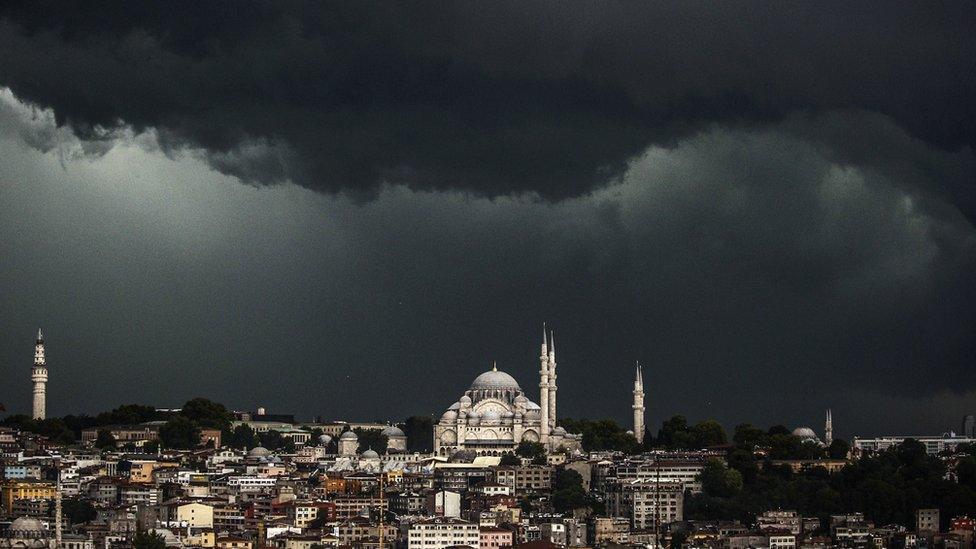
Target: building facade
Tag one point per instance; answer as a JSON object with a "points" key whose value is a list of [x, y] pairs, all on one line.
{"points": [[494, 415], [39, 379]]}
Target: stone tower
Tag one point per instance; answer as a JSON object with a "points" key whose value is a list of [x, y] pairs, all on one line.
{"points": [[544, 387], [39, 378], [639, 405], [829, 428], [552, 381]]}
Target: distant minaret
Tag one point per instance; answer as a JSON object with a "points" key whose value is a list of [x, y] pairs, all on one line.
{"points": [[544, 388], [639, 405], [552, 381], [39, 377], [829, 428]]}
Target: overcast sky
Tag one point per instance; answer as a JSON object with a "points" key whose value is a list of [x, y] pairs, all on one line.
{"points": [[351, 210]]}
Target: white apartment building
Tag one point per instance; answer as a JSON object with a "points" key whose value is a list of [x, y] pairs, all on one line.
{"points": [[645, 502], [682, 471], [441, 532]]}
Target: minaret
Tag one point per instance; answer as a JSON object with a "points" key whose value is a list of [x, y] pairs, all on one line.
{"points": [[39, 377], [57, 513], [544, 388], [639, 405], [829, 428], [552, 381]]}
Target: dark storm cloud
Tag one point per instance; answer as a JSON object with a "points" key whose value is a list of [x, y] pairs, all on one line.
{"points": [[496, 97], [760, 276]]}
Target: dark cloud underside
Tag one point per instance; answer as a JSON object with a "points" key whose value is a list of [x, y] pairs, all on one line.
{"points": [[501, 97], [769, 204]]}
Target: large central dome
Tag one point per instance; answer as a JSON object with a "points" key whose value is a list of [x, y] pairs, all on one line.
{"points": [[494, 379]]}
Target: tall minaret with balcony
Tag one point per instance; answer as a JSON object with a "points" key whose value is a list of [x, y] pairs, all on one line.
{"points": [[39, 378], [829, 429], [639, 405], [552, 381], [544, 388]]}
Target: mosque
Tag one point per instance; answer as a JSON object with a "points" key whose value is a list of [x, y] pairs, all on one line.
{"points": [[494, 415]]}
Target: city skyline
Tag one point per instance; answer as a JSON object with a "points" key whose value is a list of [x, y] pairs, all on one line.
{"points": [[352, 210], [638, 424]]}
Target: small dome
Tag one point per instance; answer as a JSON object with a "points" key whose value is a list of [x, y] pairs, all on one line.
{"points": [[456, 405], [26, 524], [370, 454], [465, 400], [494, 379], [474, 418], [508, 414], [559, 432], [449, 415], [324, 439], [533, 415], [349, 435], [490, 415], [259, 452], [804, 432], [393, 431], [532, 406], [521, 399]]}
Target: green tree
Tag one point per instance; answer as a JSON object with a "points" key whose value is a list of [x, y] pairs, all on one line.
{"points": [[243, 437], [510, 459], [708, 433], [55, 430], [148, 540], [674, 433], [567, 491], [105, 440], [838, 449], [207, 413], [748, 436], [720, 481], [21, 422], [128, 414], [531, 450], [271, 439], [371, 439], [743, 461], [180, 432], [784, 446], [966, 472], [601, 435]]}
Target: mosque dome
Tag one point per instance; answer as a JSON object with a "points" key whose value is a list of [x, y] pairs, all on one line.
{"points": [[804, 433], [349, 435], [324, 440], [533, 415], [259, 452], [455, 406], [393, 431], [26, 524], [370, 454], [521, 399], [559, 432], [464, 401], [474, 418], [495, 379], [508, 414], [532, 406], [449, 415]]}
